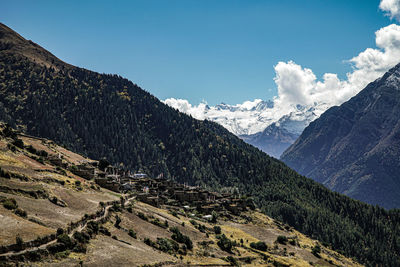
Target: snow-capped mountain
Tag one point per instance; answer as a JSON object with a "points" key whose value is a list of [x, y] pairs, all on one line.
{"points": [[261, 123]]}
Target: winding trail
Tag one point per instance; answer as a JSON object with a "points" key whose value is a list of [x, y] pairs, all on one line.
{"points": [[77, 229]]}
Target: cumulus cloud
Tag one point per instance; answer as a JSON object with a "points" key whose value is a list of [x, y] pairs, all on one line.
{"points": [[391, 7], [299, 86]]}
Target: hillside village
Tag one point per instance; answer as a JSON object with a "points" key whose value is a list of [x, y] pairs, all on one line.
{"points": [[160, 192]]}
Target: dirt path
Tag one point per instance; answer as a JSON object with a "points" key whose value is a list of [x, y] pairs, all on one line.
{"points": [[77, 229]]}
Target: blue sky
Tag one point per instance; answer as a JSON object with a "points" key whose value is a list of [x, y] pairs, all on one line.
{"points": [[217, 50]]}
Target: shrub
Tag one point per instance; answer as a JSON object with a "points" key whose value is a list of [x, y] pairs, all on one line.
{"points": [[142, 216], [157, 222], [174, 214], [104, 231], [77, 183], [150, 242], [93, 227], [11, 147], [117, 221], [19, 241], [259, 245], [116, 207], [80, 248], [282, 239], [31, 149], [316, 250], [233, 261], [4, 174], [214, 217], [62, 254], [181, 238], [81, 237], [33, 255], [18, 143], [21, 212], [225, 243], [132, 233], [66, 240], [167, 245], [10, 204]]}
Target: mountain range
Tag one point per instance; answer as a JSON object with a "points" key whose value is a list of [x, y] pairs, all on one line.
{"points": [[259, 122], [103, 115], [355, 148]]}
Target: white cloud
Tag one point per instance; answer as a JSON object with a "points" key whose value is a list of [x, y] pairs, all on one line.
{"points": [[300, 86], [391, 7], [297, 85]]}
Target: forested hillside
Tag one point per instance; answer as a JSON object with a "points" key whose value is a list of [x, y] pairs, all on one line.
{"points": [[108, 116]]}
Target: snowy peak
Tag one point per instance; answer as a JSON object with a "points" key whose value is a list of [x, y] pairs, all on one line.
{"points": [[252, 117]]}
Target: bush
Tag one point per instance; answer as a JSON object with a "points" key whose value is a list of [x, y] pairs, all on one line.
{"points": [[93, 227], [132, 233], [117, 221], [180, 238], [174, 214], [225, 243], [19, 241], [66, 240], [201, 228], [316, 250], [233, 261], [150, 242], [259, 245], [142, 216], [104, 231], [167, 245], [10, 204], [81, 237], [77, 183], [282, 239], [62, 254], [214, 217], [31, 149], [157, 222], [18, 143], [21, 212], [116, 207], [60, 231], [33, 255], [80, 248], [4, 174], [11, 147]]}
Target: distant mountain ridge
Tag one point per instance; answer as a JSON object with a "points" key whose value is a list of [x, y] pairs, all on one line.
{"points": [[355, 148], [256, 122]]}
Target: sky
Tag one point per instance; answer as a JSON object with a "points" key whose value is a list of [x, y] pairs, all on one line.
{"points": [[208, 50]]}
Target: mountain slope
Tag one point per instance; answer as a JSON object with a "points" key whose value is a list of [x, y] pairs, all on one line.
{"points": [[355, 148], [273, 140], [36, 175], [103, 115]]}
